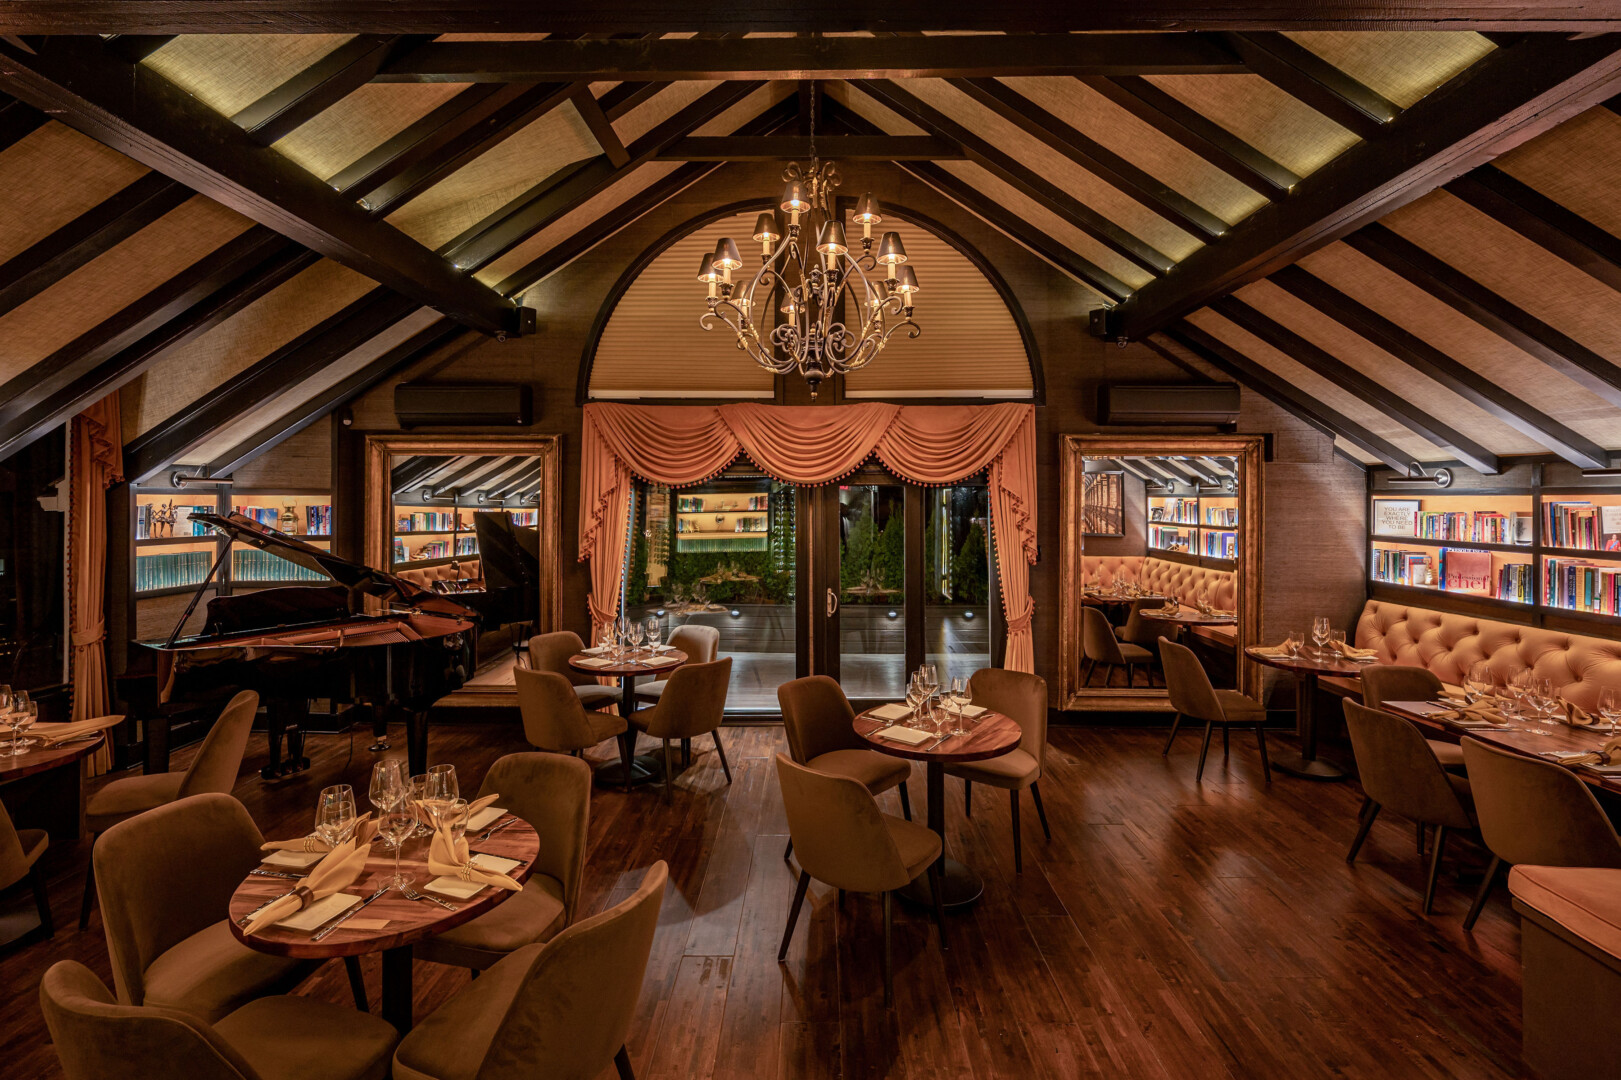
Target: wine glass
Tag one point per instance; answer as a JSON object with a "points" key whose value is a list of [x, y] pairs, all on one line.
{"points": [[335, 814], [442, 791], [21, 720], [416, 797], [387, 784], [1292, 642], [8, 750], [1336, 641], [1609, 706], [1478, 683], [914, 697], [395, 827], [1319, 633], [636, 630], [655, 630], [454, 816], [605, 640], [960, 698]]}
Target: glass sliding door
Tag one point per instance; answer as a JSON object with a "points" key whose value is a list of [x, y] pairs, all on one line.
{"points": [[872, 589], [957, 580]]}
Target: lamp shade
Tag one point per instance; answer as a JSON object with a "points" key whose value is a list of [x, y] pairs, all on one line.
{"points": [[793, 197], [891, 252], [830, 240], [726, 255], [706, 268], [766, 230], [906, 282], [867, 211]]}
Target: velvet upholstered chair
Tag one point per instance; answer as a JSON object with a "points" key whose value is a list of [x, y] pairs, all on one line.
{"points": [[553, 794], [213, 770], [271, 1038], [1100, 648], [20, 850], [1403, 682], [561, 1010], [1023, 697], [555, 720], [693, 704], [844, 840], [1534, 813], [1194, 698], [165, 880], [700, 643], [1144, 633], [551, 652], [820, 725], [1399, 773]]}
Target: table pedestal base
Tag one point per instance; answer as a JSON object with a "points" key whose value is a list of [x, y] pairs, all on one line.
{"points": [[397, 988], [960, 887], [644, 769], [1315, 769]]}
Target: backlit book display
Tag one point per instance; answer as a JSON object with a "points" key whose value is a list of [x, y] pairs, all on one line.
{"points": [[174, 553], [1198, 529]]}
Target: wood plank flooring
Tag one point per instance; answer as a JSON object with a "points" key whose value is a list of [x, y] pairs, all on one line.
{"points": [[1168, 930]]}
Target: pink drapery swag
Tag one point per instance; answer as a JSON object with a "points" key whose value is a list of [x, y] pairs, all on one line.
{"points": [[925, 444], [98, 464]]}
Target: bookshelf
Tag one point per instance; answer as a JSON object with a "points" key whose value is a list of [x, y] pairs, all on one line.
{"points": [[175, 558], [1201, 530], [304, 514], [1551, 551], [723, 517], [431, 534]]}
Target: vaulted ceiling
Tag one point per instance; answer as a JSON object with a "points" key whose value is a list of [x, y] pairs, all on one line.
{"points": [[1408, 236]]}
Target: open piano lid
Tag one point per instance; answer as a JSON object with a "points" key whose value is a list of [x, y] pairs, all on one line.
{"points": [[386, 587]]}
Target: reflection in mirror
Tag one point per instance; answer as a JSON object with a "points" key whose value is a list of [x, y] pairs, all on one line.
{"points": [[467, 525]]}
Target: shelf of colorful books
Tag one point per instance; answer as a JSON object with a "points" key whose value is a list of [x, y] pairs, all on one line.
{"points": [[164, 515], [1173, 509], [304, 514], [1503, 574], [1582, 522], [1219, 511], [1500, 521], [1585, 583], [178, 566]]}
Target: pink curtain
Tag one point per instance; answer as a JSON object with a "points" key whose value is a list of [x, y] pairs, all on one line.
{"points": [[98, 464], [927, 444]]}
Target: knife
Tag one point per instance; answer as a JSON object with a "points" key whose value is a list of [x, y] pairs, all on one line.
{"points": [[338, 920]]}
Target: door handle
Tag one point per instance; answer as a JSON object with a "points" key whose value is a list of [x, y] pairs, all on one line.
{"points": [[832, 602]]}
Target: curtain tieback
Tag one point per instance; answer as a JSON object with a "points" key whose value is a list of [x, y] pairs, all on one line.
{"points": [[1022, 623], [89, 635]]}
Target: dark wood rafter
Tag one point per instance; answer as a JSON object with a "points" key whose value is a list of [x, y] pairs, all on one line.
{"points": [[1197, 133], [321, 85], [1155, 471], [120, 348], [1005, 167], [1178, 471], [395, 360], [18, 120], [516, 474], [1430, 361], [795, 147], [444, 485], [1234, 364], [621, 99], [136, 111], [1508, 321], [602, 129], [92, 233], [1592, 250], [1164, 200], [1389, 400], [137, 47], [1127, 465], [519, 481], [570, 187], [667, 59], [156, 449], [412, 471], [1503, 99], [1301, 73]]}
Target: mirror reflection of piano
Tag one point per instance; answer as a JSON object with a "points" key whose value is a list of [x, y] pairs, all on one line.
{"points": [[368, 637], [509, 561]]}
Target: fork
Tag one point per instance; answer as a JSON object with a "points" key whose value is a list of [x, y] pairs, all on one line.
{"points": [[485, 835], [411, 894]]}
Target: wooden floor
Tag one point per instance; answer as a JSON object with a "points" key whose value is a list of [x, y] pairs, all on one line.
{"points": [[1168, 930]]}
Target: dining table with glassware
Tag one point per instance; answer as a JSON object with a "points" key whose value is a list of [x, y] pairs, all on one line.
{"points": [[1329, 655], [939, 726], [333, 893], [41, 782], [629, 649]]}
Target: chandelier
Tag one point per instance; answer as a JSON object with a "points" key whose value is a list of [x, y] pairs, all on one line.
{"points": [[837, 313]]}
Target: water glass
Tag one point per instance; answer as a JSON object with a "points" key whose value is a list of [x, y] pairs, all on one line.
{"points": [[960, 698], [21, 720], [1292, 642], [1478, 682], [654, 631], [395, 827], [442, 791], [1609, 706], [387, 784], [1320, 632], [636, 630], [335, 814], [416, 798]]}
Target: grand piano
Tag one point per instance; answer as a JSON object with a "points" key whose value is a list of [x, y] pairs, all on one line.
{"points": [[509, 560], [369, 637]]}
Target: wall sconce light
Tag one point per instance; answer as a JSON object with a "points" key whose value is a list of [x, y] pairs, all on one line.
{"points": [[1416, 478]]}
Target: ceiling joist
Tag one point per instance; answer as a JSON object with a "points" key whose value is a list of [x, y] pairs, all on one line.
{"points": [[321, 85]]}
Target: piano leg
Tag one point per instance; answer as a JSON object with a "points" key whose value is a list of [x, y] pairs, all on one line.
{"points": [[285, 717], [379, 731], [416, 740]]}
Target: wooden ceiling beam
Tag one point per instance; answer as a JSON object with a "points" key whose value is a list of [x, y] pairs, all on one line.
{"points": [[605, 16], [1508, 321], [1235, 365], [92, 233], [1155, 470], [444, 485], [139, 113], [621, 99], [670, 59], [1197, 133], [1301, 73], [1094, 157], [321, 85], [412, 471], [1389, 400], [155, 450], [1505, 98], [391, 363], [1007, 168], [795, 147], [1426, 359], [18, 120], [1592, 250], [137, 47], [572, 186], [602, 129], [120, 348]]}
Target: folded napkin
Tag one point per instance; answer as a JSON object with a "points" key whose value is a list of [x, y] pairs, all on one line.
{"points": [[1351, 652], [909, 736], [891, 712], [332, 874], [1272, 650], [1608, 754], [595, 662], [449, 857], [52, 734], [1576, 716], [1484, 711], [971, 711], [365, 832], [660, 661]]}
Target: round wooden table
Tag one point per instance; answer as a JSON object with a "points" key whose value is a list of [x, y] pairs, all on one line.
{"points": [[647, 768], [409, 921], [991, 734], [41, 758], [1306, 668], [1186, 616]]}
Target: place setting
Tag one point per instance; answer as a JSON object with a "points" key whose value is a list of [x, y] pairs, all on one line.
{"points": [[931, 714]]}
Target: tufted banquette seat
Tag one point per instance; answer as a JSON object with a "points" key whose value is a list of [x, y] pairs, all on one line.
{"points": [[1167, 578], [425, 576], [1450, 644]]}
